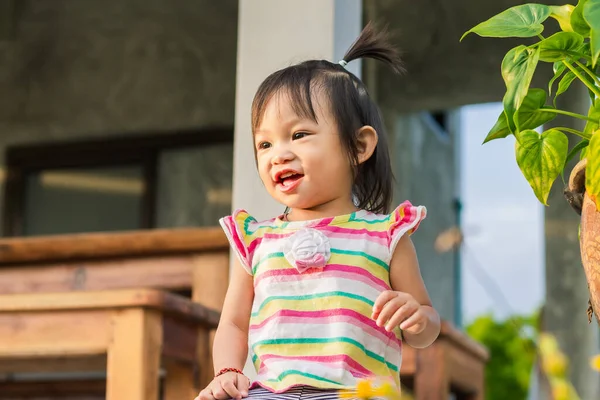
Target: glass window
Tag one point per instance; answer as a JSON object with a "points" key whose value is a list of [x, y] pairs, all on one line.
{"points": [[83, 200]]}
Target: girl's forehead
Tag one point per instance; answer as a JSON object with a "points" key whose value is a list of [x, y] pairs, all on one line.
{"points": [[286, 104]]}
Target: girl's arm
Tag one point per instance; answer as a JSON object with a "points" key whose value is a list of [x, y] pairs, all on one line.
{"points": [[230, 348], [405, 277]]}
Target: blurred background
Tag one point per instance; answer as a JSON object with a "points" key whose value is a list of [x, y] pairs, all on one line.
{"points": [[134, 115]]}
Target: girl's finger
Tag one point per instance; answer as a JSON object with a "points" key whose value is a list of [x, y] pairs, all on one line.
{"points": [[403, 313], [229, 387], [381, 300], [243, 383], [388, 310], [412, 320]]}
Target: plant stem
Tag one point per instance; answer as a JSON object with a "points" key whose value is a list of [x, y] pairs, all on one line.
{"points": [[593, 88], [583, 135], [568, 113], [590, 73], [541, 36]]}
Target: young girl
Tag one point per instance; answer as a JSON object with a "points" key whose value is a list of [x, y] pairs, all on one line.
{"points": [[325, 293]]}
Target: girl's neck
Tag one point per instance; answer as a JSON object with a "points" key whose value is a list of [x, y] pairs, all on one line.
{"points": [[329, 209]]}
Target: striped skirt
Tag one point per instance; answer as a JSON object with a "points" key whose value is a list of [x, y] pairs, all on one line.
{"points": [[295, 393]]}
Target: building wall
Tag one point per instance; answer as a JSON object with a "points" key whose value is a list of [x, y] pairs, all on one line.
{"points": [[424, 159], [84, 69]]}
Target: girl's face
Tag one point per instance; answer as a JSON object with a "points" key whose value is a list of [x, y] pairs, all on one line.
{"points": [[302, 163]]}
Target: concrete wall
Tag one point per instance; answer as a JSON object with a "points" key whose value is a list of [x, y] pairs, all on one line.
{"points": [[424, 161], [82, 69]]}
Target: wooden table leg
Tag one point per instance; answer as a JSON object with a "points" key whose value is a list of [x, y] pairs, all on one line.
{"points": [[179, 381], [134, 355], [431, 378]]}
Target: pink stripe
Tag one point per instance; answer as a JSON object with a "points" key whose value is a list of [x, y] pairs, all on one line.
{"points": [[236, 236], [266, 237], [331, 270], [331, 315], [334, 361]]}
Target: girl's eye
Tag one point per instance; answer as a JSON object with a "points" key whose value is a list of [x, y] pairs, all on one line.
{"points": [[299, 135], [264, 145]]}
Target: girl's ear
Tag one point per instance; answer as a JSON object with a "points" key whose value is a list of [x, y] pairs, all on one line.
{"points": [[366, 143]]}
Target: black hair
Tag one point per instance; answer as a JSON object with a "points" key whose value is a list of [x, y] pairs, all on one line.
{"points": [[350, 105]]}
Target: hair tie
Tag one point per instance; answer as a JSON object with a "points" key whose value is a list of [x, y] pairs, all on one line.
{"points": [[343, 63]]}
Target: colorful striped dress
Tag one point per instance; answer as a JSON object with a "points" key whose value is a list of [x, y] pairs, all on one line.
{"points": [[315, 284]]}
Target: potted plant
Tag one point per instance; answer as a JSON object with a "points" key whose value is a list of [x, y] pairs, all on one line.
{"points": [[574, 52]]}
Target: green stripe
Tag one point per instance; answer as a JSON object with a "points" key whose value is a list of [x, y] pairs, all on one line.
{"points": [[369, 221], [363, 254], [327, 340], [296, 372], [310, 297], [271, 255]]}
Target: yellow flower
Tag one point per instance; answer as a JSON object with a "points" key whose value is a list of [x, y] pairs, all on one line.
{"points": [[388, 391], [595, 362], [364, 390], [555, 364], [560, 391]]}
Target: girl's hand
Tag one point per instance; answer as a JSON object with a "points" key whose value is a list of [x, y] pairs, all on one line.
{"points": [[229, 385], [398, 308]]}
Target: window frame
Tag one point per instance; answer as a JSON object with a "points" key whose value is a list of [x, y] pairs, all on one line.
{"points": [[115, 150]]}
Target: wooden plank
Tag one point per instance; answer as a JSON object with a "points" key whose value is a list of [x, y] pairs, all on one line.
{"points": [[134, 356], [179, 339], [41, 334], [165, 272], [53, 364], [87, 246], [91, 388], [431, 379], [461, 339], [466, 371], [210, 281], [409, 360], [116, 299], [179, 381]]}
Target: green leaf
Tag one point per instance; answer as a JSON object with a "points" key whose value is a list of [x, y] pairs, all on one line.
{"points": [[594, 114], [583, 153], [520, 21], [591, 15], [499, 130], [541, 158], [579, 146], [563, 15], [592, 170], [578, 23], [560, 46], [564, 84], [531, 114], [558, 68], [518, 67]]}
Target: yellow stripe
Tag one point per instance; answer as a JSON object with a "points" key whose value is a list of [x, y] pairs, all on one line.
{"points": [[318, 304], [362, 262], [325, 349]]}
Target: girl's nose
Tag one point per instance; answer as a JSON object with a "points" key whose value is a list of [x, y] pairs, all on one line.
{"points": [[282, 157]]}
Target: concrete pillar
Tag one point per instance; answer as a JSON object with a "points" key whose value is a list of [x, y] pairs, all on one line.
{"points": [[273, 34], [566, 288]]}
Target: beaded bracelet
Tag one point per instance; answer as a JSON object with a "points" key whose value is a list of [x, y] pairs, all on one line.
{"points": [[224, 370]]}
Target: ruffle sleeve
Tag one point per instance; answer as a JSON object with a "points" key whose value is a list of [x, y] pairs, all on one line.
{"points": [[235, 227], [405, 219]]}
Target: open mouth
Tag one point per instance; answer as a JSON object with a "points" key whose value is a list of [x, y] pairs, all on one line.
{"points": [[288, 180]]}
